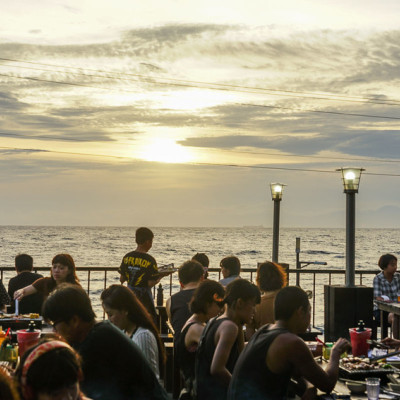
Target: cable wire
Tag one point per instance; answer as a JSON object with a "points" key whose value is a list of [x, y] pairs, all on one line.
{"points": [[215, 86], [195, 163], [242, 104]]}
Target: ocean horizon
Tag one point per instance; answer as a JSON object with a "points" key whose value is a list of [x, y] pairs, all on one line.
{"points": [[103, 246]]}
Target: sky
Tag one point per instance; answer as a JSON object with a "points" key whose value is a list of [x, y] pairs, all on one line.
{"points": [[181, 112]]}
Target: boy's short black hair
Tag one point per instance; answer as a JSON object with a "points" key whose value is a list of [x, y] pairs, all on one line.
{"points": [[385, 260], [241, 289], [288, 300], [143, 235], [23, 262], [202, 259], [190, 271], [232, 264], [66, 302]]}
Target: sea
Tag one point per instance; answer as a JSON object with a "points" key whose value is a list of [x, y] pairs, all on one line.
{"points": [[105, 247]]}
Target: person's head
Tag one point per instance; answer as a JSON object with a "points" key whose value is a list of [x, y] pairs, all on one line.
{"points": [[190, 272], [230, 266], [203, 260], [208, 299], [8, 390], [122, 306], [63, 269], [23, 262], [388, 260], [50, 370], [144, 236], [241, 296], [270, 277], [292, 302], [68, 308]]}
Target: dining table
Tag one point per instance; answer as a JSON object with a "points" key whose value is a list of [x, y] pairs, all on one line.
{"points": [[390, 307]]}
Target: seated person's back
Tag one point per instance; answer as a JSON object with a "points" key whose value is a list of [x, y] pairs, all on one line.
{"points": [[190, 273], [25, 277]]}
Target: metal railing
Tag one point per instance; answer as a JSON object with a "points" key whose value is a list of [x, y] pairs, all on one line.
{"points": [[309, 279]]}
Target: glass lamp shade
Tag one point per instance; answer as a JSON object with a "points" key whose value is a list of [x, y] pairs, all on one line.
{"points": [[277, 190], [351, 179]]}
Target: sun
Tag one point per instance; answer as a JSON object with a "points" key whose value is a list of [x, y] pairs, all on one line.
{"points": [[165, 150]]}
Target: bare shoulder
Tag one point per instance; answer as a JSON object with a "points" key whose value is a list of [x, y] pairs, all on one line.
{"points": [[227, 328], [290, 344], [196, 329], [193, 334], [228, 325], [285, 350]]}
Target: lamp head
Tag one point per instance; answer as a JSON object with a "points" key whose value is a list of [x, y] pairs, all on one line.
{"points": [[277, 190], [351, 179]]}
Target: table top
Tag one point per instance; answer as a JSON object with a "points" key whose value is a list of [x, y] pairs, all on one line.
{"points": [[389, 306]]}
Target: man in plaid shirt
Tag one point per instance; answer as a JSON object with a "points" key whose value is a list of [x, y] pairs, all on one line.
{"points": [[386, 283]]}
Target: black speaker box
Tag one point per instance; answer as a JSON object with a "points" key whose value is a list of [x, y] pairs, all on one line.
{"points": [[344, 307]]}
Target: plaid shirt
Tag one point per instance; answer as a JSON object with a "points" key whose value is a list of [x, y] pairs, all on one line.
{"points": [[382, 287]]}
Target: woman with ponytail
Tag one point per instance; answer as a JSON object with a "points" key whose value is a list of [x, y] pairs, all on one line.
{"points": [[222, 341], [206, 303]]}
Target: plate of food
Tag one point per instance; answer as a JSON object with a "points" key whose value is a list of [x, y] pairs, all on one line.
{"points": [[361, 368]]}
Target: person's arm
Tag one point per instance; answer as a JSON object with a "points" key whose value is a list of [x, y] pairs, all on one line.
{"points": [[122, 276], [288, 351], [193, 335], [324, 380], [226, 336], [168, 308], [26, 291], [391, 342], [153, 282]]}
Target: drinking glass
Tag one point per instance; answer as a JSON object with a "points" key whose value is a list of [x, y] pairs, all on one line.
{"points": [[373, 388]]}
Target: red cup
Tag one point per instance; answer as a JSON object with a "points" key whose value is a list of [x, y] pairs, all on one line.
{"points": [[27, 339], [359, 342]]}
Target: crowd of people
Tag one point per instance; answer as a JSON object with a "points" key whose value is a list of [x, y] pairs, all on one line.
{"points": [[232, 339]]}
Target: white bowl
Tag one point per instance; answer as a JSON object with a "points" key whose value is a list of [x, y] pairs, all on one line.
{"points": [[356, 387]]}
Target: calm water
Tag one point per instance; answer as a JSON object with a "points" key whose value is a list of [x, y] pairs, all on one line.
{"points": [[105, 246]]}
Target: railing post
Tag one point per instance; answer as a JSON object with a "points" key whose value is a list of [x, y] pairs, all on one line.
{"points": [[298, 265]]}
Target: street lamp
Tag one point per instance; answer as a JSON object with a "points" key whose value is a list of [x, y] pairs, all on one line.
{"points": [[276, 193], [351, 181]]}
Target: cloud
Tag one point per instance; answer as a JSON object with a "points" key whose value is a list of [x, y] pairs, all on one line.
{"points": [[10, 103], [345, 62], [6, 152]]}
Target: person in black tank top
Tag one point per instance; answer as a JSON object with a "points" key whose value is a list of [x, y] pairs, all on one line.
{"points": [[222, 341], [276, 354], [205, 304], [191, 274]]}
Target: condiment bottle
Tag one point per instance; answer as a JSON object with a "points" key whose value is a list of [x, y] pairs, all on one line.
{"points": [[160, 295], [2, 335]]}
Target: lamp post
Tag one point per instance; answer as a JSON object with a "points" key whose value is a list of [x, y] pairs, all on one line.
{"points": [[351, 181], [276, 193]]}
